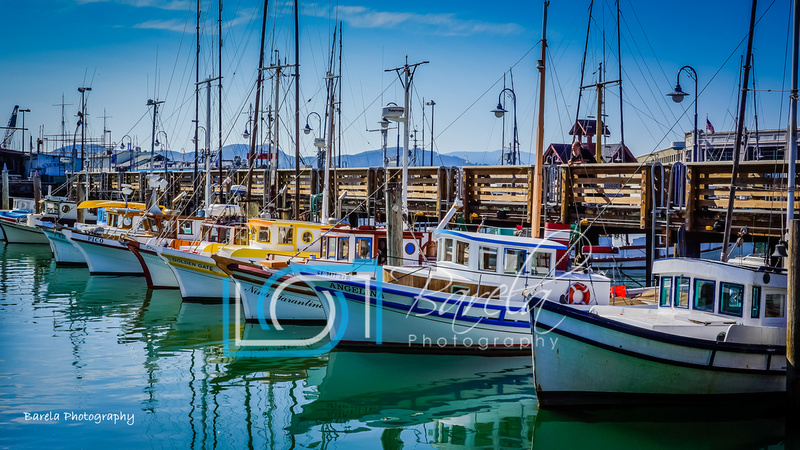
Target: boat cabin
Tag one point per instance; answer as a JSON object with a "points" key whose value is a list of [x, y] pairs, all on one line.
{"points": [[498, 253], [738, 294], [347, 244], [287, 236]]}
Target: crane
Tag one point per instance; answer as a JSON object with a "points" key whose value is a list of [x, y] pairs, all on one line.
{"points": [[12, 124]]}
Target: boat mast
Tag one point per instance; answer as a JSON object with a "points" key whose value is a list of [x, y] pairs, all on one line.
{"points": [[792, 133], [219, 100], [196, 105], [296, 112], [254, 132], [726, 238], [538, 169], [619, 61], [583, 61]]}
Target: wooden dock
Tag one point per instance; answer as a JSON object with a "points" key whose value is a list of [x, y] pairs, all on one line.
{"points": [[606, 198]]}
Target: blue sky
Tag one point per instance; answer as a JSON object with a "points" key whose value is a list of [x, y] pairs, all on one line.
{"points": [[130, 51]]}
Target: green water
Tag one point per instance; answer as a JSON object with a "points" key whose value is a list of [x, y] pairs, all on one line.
{"points": [[95, 362]]}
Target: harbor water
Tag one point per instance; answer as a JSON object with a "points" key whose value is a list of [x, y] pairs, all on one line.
{"points": [[95, 361]]}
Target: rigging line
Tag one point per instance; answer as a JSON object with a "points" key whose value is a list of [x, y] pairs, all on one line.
{"points": [[486, 91]]}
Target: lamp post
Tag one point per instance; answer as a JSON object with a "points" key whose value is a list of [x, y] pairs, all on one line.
{"points": [[432, 104], [165, 148], [23, 111], [677, 97], [319, 141], [82, 123], [122, 147], [499, 112], [154, 104]]}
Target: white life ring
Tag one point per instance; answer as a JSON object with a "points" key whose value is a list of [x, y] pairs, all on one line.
{"points": [[581, 288]]}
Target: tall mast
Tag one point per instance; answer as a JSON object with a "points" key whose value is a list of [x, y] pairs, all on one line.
{"points": [[792, 133], [619, 60], [583, 61], [726, 238], [251, 153], [296, 112], [196, 103], [537, 174], [219, 100]]}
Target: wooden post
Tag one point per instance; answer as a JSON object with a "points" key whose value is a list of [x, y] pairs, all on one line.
{"points": [[37, 192], [793, 319], [6, 205], [394, 224], [81, 197]]}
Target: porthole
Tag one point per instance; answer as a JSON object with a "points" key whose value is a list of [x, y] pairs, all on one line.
{"points": [[307, 237]]}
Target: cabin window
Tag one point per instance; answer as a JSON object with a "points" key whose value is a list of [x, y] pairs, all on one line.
{"points": [[285, 235], [153, 225], [126, 222], [731, 298], [682, 292], [364, 248], [185, 228], [241, 236], [263, 234], [488, 258], [755, 307], [344, 248], [307, 237], [541, 263], [224, 235], [515, 261], [703, 295], [324, 247], [448, 250], [462, 253], [213, 234], [665, 291], [774, 305]]}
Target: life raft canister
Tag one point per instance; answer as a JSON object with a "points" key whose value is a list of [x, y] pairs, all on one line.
{"points": [[575, 299]]}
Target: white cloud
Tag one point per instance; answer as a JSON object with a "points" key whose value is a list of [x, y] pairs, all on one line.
{"points": [[443, 24]]}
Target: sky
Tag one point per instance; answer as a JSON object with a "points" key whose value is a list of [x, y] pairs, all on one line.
{"points": [[132, 51]]}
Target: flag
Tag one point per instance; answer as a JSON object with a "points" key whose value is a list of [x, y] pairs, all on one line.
{"points": [[709, 127]]}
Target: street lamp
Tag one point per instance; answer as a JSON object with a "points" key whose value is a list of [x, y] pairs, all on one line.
{"points": [[82, 123], [499, 112], [154, 104], [432, 104], [319, 142], [677, 96], [165, 148], [23, 111], [122, 147]]}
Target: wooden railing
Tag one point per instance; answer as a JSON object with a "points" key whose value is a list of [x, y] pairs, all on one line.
{"points": [[620, 196]]}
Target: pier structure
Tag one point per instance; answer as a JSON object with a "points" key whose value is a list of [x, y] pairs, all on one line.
{"points": [[674, 204]]}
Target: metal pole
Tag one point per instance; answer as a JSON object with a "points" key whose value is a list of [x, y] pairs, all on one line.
{"points": [[296, 112]]}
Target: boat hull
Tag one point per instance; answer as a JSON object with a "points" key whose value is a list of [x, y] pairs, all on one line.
{"points": [[20, 233], [64, 253], [581, 358], [267, 296], [156, 270], [198, 276], [104, 255]]}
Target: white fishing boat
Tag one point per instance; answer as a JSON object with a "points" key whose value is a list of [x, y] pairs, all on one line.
{"points": [[471, 300], [200, 278], [267, 296], [22, 233], [64, 253], [718, 332]]}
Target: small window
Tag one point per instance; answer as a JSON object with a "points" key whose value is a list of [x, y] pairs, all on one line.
{"points": [[285, 235], [448, 250], [703, 295], [307, 237], [774, 305], [224, 235], [515, 261], [755, 307], [263, 234], [126, 222], [665, 291], [488, 258], [731, 298], [153, 225], [462, 253], [682, 292], [324, 247], [364, 248], [241, 236], [344, 248], [185, 228], [213, 235], [541, 263]]}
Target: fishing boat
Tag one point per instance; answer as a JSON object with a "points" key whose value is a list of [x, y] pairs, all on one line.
{"points": [[471, 300], [200, 278], [718, 332], [266, 295]]}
